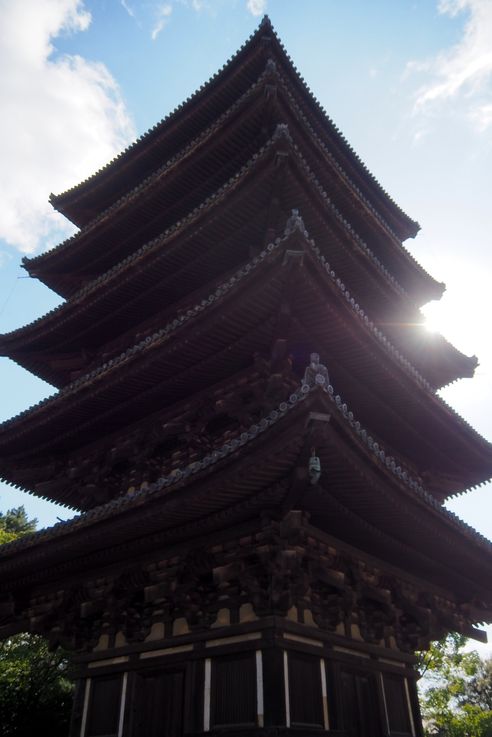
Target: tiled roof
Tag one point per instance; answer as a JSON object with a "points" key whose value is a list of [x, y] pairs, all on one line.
{"points": [[14, 427], [149, 181], [165, 332], [161, 127], [181, 476], [101, 282]]}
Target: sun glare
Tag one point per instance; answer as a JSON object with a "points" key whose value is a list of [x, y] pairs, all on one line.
{"points": [[431, 324], [437, 319], [450, 320]]}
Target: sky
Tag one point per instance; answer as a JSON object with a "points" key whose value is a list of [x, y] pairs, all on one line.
{"points": [[409, 83]]}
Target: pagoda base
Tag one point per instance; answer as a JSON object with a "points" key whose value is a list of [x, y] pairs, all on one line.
{"points": [[268, 627], [268, 676]]}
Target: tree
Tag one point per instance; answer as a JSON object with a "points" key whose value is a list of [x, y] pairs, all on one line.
{"points": [[455, 690], [35, 689], [480, 686], [35, 686], [14, 523]]}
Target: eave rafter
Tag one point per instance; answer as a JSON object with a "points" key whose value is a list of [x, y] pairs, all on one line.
{"points": [[171, 437], [111, 289], [162, 247], [171, 195], [175, 249], [309, 180], [379, 499], [91, 391], [259, 460], [266, 256], [349, 197], [115, 216], [241, 70]]}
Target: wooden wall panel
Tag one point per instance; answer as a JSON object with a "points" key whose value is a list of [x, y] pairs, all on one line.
{"points": [[104, 706], [306, 705], [233, 697], [273, 687], [361, 715], [397, 704], [161, 702]]}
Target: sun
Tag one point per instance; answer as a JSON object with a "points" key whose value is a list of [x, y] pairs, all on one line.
{"points": [[449, 318], [433, 324]]}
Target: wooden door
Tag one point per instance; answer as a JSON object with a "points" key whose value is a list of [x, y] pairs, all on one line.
{"points": [[161, 704], [360, 704]]}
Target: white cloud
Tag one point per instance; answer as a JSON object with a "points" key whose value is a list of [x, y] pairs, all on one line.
{"points": [[462, 75], [163, 16], [126, 5], [62, 117], [256, 7], [481, 116]]}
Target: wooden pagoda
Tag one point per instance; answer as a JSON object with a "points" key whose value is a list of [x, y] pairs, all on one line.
{"points": [[247, 421]]}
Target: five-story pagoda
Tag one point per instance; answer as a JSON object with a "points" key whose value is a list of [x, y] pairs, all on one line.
{"points": [[247, 421]]}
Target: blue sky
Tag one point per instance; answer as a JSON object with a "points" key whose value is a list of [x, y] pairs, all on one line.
{"points": [[409, 83]]}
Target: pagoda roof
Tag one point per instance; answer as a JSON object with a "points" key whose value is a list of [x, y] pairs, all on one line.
{"points": [[83, 202], [451, 452], [163, 196], [125, 290], [361, 491]]}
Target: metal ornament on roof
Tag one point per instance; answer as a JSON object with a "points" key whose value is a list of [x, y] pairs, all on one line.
{"points": [[295, 222], [281, 132], [314, 468], [316, 374]]}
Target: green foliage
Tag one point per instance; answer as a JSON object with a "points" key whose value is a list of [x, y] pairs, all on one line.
{"points": [[35, 689], [14, 523], [480, 686], [456, 690], [6, 537]]}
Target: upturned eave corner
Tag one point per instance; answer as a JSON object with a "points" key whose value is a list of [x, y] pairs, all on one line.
{"points": [[401, 222]]}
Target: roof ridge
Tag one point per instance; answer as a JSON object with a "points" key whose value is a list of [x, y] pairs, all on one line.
{"points": [[265, 22], [194, 143], [337, 166], [177, 322], [181, 224], [350, 230], [160, 334], [151, 178], [222, 289], [345, 147], [387, 344], [388, 462], [338, 131], [392, 348], [213, 199]]}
